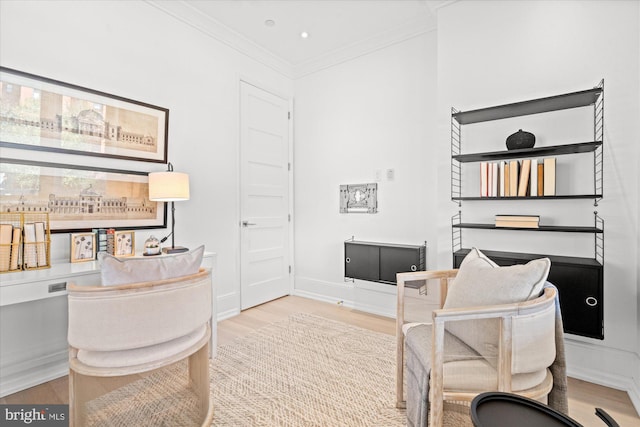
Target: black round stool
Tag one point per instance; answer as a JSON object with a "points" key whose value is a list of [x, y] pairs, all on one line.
{"points": [[496, 409]]}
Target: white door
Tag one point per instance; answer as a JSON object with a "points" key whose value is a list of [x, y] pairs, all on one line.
{"points": [[264, 196]]}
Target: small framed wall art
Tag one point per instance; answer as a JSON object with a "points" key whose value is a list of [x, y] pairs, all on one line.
{"points": [[83, 247], [359, 198]]}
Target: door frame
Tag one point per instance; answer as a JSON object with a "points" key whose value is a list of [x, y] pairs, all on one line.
{"points": [[290, 189]]}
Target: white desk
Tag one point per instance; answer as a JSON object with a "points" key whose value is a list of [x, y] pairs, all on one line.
{"points": [[33, 321]]}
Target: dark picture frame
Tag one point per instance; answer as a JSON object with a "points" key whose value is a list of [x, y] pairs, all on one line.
{"points": [[39, 113], [80, 198]]}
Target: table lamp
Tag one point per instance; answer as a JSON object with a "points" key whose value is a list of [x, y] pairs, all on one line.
{"points": [[169, 186]]}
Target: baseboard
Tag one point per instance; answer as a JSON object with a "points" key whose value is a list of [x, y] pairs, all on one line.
{"points": [[32, 372], [227, 314], [584, 362], [381, 298]]}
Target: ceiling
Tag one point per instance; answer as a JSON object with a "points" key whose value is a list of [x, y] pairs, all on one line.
{"points": [[338, 29]]}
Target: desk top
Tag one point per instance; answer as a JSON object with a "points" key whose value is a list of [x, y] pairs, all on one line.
{"points": [[67, 271]]}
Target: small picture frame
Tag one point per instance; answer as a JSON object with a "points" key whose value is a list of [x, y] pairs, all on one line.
{"points": [[83, 247], [124, 243]]}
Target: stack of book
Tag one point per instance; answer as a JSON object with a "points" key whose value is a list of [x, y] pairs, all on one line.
{"points": [[518, 221], [111, 241], [101, 238]]}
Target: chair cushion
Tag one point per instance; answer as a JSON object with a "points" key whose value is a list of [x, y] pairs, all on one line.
{"points": [[140, 356], [481, 282], [464, 369], [122, 271]]}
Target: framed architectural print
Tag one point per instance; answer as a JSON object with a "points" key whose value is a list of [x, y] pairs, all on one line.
{"points": [[39, 113], [83, 247], [79, 198]]}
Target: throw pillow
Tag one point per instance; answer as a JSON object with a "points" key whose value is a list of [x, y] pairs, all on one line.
{"points": [[482, 282], [121, 271]]}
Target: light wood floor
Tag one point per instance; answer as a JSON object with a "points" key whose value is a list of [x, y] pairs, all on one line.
{"points": [[584, 397]]}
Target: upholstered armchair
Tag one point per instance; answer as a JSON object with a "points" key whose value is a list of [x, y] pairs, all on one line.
{"points": [[133, 328], [499, 330]]}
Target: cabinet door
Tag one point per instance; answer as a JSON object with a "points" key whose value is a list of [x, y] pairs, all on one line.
{"points": [[362, 261], [580, 291], [397, 260]]}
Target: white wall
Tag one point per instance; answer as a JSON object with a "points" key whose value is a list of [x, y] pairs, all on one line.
{"points": [[371, 113], [132, 49], [495, 52]]}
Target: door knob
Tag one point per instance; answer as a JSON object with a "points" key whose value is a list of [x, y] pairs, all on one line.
{"points": [[247, 223]]}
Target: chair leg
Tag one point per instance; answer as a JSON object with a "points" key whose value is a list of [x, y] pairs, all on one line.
{"points": [[77, 400], [199, 379]]}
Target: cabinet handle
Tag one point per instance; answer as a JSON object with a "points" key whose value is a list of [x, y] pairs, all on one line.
{"points": [[58, 287], [591, 301], [348, 260], [414, 268]]}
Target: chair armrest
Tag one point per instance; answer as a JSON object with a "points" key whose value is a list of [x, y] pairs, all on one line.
{"points": [[493, 311]]}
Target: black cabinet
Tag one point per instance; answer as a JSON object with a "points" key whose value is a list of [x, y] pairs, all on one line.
{"points": [[579, 282], [379, 262]]}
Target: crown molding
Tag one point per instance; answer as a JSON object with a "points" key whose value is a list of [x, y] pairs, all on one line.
{"points": [[209, 26], [382, 40], [213, 28]]}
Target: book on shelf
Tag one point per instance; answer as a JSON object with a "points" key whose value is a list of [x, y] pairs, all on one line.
{"points": [[518, 218], [101, 239], [484, 179], [517, 224], [518, 221], [549, 176], [41, 244], [15, 249], [514, 172], [501, 179], [6, 235], [507, 177], [540, 179], [524, 177], [30, 255], [493, 192], [533, 181], [111, 241]]}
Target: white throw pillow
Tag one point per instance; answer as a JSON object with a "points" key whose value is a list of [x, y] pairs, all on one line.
{"points": [[121, 271], [482, 282]]}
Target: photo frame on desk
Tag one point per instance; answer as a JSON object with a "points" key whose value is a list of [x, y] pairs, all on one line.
{"points": [[124, 243], [83, 247], [39, 113], [80, 198]]}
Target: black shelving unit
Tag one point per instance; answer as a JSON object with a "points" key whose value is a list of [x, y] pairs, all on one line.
{"points": [[579, 279]]}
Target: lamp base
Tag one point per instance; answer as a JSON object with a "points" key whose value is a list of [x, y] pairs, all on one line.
{"points": [[174, 249]]}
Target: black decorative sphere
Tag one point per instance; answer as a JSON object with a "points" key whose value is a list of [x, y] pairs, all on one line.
{"points": [[521, 139]]}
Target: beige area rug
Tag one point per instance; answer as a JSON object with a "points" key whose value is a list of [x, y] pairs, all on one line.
{"points": [[306, 371]]}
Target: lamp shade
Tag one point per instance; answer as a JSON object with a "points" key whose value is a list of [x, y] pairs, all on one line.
{"points": [[168, 186]]}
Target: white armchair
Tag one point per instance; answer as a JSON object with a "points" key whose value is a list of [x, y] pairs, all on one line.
{"points": [[134, 328], [467, 350]]}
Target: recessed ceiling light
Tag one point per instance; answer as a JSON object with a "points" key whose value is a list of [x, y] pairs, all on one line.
{"points": [[269, 22], [304, 34]]}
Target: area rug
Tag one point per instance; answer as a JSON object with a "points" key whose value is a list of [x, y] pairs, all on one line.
{"points": [[305, 371]]}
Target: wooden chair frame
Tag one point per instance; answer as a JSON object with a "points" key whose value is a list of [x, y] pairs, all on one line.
{"points": [[504, 312]]}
